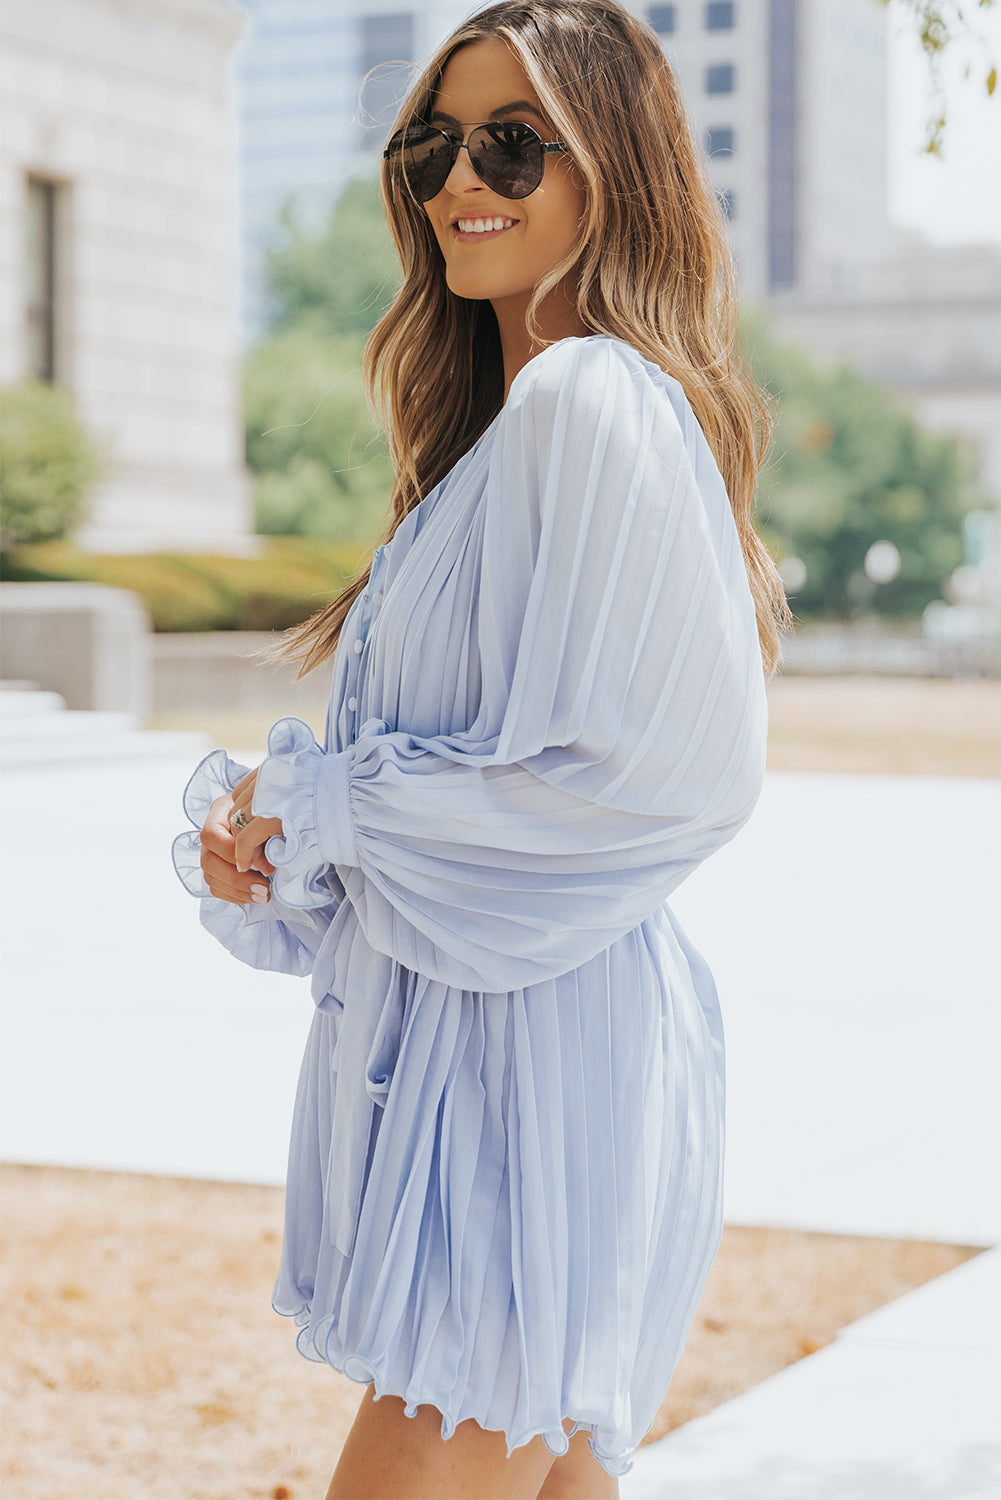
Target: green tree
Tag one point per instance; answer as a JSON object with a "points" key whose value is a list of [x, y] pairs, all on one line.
{"points": [[320, 462], [941, 25], [340, 280], [849, 468], [47, 464]]}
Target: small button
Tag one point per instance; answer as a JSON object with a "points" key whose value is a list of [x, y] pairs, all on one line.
{"points": [[364, 598], [359, 647], [352, 704], [378, 598]]}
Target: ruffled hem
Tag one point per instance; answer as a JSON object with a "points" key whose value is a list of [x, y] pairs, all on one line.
{"points": [[504, 1230], [364, 1371], [286, 788]]}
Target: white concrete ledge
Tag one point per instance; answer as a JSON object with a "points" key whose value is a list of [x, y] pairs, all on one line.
{"points": [[84, 641]]}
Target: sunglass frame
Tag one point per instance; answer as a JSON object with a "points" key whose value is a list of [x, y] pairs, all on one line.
{"points": [[395, 152]]}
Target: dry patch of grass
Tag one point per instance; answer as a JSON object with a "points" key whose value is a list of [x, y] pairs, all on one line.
{"points": [[142, 1361]]}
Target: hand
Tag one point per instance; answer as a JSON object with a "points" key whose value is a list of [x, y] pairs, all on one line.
{"points": [[234, 863]]}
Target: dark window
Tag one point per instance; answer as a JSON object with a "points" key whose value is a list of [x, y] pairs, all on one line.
{"points": [[720, 140], [662, 18], [720, 78], [727, 202], [719, 15], [385, 41], [41, 269]]}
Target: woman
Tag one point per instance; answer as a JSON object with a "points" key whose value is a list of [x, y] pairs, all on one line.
{"points": [[505, 1177]]}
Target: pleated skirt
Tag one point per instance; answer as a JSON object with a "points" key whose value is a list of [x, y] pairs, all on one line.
{"points": [[506, 1205]]}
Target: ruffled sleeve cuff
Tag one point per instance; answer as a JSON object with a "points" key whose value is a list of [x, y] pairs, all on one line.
{"points": [[267, 936], [213, 777], [308, 791]]}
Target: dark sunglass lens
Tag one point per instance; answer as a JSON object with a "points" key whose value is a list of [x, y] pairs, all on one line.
{"points": [[422, 159], [508, 158]]}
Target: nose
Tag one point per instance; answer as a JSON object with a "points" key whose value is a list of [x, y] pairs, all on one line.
{"points": [[462, 178]]}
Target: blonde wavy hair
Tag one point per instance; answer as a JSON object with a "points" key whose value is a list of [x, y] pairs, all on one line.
{"points": [[651, 264]]}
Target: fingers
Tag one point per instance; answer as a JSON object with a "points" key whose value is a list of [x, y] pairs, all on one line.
{"points": [[250, 841], [243, 792], [216, 833], [233, 861], [232, 874], [227, 883], [254, 833]]}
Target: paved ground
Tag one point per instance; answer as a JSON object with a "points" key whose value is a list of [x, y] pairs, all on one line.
{"points": [[850, 926], [902, 1406], [852, 929]]}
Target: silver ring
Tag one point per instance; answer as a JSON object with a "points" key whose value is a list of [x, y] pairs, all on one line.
{"points": [[238, 819]]}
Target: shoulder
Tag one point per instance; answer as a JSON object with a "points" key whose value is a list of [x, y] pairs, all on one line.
{"points": [[592, 360], [585, 400], [587, 382]]}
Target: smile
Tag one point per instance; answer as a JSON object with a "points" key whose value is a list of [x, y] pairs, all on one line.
{"points": [[484, 226]]}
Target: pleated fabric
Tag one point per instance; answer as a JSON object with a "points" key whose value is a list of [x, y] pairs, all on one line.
{"points": [[506, 1170]]}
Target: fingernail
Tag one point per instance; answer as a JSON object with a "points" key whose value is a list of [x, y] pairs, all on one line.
{"points": [[259, 893]]}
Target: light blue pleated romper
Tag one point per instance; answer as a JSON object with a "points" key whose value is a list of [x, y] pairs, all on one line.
{"points": [[505, 1176]]}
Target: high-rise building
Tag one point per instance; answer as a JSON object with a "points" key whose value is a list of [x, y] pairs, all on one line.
{"points": [[789, 99], [318, 82]]}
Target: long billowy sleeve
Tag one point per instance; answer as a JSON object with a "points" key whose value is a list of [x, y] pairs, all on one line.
{"points": [[621, 727], [272, 936]]}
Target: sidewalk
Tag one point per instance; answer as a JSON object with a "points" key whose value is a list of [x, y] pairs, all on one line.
{"points": [[871, 1021], [851, 928], [902, 1406]]}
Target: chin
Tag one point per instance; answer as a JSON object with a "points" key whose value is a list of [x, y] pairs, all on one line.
{"points": [[482, 288], [462, 284]]}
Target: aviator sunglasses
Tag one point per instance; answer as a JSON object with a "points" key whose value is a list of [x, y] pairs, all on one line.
{"points": [[508, 156]]}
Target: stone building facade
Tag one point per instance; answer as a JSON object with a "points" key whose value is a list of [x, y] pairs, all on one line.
{"points": [[118, 253]]}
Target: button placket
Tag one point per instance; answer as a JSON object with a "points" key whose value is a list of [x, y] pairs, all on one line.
{"points": [[371, 600]]}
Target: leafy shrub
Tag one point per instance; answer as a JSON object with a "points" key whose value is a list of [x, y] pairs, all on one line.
{"points": [[47, 464], [341, 278], [200, 591], [321, 463], [849, 468]]}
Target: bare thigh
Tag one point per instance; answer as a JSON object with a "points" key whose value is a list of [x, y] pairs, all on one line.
{"points": [[578, 1475], [390, 1456]]}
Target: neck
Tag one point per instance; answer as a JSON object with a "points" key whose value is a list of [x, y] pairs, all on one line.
{"points": [[557, 319]]}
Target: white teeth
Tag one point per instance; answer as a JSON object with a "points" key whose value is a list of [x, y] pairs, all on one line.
{"points": [[482, 226]]}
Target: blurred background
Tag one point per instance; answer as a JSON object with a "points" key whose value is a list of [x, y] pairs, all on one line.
{"points": [[192, 253]]}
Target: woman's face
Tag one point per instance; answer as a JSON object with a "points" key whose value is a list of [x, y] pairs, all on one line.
{"points": [[484, 81]]}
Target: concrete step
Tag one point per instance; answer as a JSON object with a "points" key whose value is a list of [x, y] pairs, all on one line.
{"points": [[66, 723], [37, 729], [43, 750], [25, 698], [67, 736]]}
